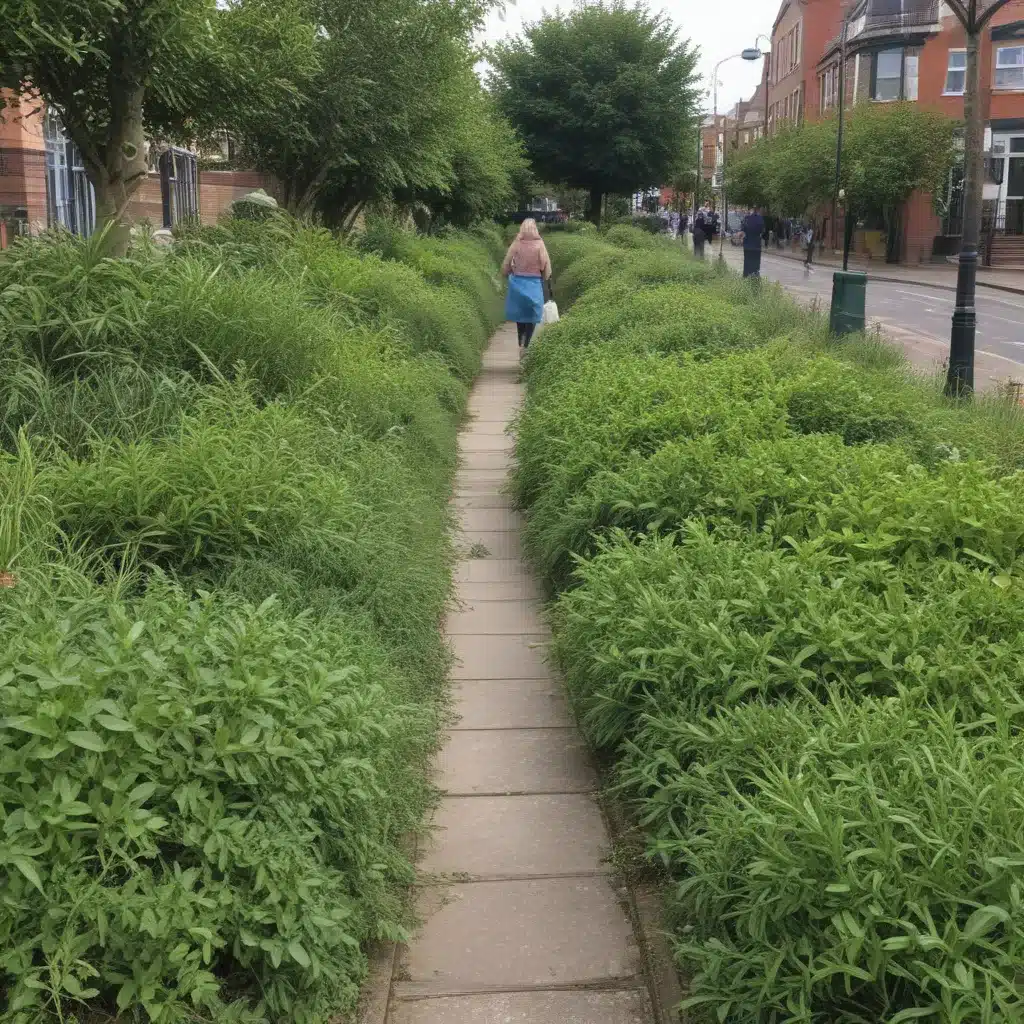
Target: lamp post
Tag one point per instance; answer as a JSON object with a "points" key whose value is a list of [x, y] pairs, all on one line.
{"points": [[974, 15], [750, 53]]}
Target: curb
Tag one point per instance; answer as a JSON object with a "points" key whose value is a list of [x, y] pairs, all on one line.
{"points": [[905, 280], [644, 900]]}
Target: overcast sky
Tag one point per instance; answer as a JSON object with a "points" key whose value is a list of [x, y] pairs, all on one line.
{"points": [[719, 28]]}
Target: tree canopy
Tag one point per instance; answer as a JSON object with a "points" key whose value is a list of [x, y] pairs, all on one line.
{"points": [[377, 114], [889, 152], [119, 71], [602, 96]]}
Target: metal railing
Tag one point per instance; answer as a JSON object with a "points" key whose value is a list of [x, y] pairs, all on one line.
{"points": [[923, 15]]}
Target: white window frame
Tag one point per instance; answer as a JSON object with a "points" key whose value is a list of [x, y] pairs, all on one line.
{"points": [[1017, 66], [950, 70], [897, 78]]}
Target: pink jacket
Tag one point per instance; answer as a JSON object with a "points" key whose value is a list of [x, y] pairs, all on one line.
{"points": [[530, 257]]}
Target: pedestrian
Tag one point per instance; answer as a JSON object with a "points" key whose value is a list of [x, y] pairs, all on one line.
{"points": [[700, 228], [752, 229], [684, 223], [809, 244], [528, 269]]}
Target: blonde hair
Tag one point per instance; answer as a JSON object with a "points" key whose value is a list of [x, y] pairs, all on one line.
{"points": [[528, 230]]}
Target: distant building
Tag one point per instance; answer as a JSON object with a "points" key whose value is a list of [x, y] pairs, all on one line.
{"points": [[800, 35], [914, 50]]}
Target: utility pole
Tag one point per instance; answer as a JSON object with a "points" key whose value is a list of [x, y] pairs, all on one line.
{"points": [[974, 15]]}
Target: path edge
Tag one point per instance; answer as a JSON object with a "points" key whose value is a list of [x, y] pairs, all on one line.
{"points": [[645, 903]]}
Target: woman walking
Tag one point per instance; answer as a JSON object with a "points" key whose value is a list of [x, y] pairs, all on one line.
{"points": [[527, 267]]}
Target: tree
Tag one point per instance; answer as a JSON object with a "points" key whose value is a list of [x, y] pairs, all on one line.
{"points": [[889, 152], [487, 163], [117, 71], [379, 110], [602, 97]]}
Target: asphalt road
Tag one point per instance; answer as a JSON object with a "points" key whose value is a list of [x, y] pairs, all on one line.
{"points": [[917, 316]]}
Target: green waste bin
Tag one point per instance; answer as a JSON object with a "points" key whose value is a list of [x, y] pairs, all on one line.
{"points": [[849, 288]]}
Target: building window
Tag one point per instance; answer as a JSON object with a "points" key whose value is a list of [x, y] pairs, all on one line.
{"points": [[179, 186], [70, 198], [829, 85], [1010, 67], [956, 73], [910, 78], [888, 75]]}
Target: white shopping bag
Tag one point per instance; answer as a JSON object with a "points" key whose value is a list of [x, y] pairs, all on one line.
{"points": [[550, 312]]}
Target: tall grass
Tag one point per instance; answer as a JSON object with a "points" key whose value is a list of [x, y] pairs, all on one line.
{"points": [[224, 477]]}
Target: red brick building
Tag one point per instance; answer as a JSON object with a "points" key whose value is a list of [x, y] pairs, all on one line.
{"points": [[800, 35], [43, 183], [914, 50]]}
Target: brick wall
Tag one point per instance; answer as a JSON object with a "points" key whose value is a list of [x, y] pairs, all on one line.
{"points": [[219, 189], [920, 226], [23, 185]]}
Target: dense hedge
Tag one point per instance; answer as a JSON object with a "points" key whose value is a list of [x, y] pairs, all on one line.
{"points": [[224, 473], [790, 609]]}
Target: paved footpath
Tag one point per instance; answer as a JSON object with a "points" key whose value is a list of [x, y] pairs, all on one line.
{"points": [[524, 923]]}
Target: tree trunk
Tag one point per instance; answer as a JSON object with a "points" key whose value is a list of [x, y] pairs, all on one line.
{"points": [[596, 197], [122, 170]]}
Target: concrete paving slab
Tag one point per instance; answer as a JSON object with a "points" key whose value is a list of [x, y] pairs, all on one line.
{"points": [[496, 762], [491, 570], [490, 519], [520, 589], [501, 657], [516, 837], [474, 442], [510, 704], [463, 501], [486, 460], [485, 618], [516, 934], [578, 1007], [491, 544]]}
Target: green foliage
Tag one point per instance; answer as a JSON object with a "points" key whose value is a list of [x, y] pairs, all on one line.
{"points": [[889, 151], [118, 72], [381, 111], [224, 480], [790, 614], [487, 162], [602, 72]]}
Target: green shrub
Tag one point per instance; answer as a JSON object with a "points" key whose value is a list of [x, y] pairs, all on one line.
{"points": [[212, 798], [685, 624], [224, 481], [791, 614], [845, 862]]}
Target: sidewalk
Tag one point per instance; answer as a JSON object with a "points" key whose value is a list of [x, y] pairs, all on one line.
{"points": [[523, 920], [933, 275]]}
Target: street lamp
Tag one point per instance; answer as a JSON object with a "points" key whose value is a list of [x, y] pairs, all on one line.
{"points": [[751, 53], [974, 15]]}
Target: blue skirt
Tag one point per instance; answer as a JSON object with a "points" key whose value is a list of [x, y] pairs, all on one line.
{"points": [[524, 302]]}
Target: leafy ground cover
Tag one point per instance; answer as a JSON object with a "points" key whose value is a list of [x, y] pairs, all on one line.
{"points": [[790, 610], [224, 473]]}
